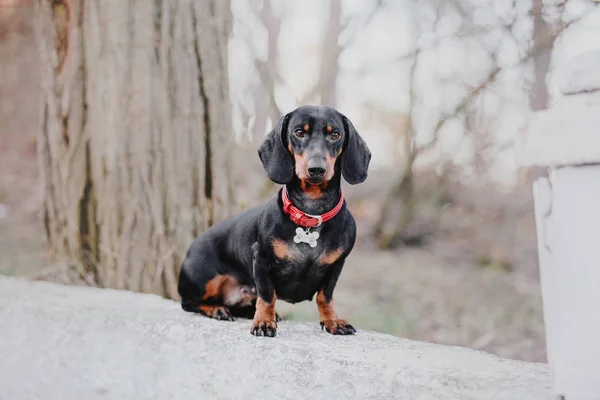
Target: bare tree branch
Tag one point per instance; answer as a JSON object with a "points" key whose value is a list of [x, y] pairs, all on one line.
{"points": [[349, 41], [268, 82], [309, 95], [266, 106], [491, 78]]}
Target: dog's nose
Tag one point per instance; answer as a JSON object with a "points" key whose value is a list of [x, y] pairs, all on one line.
{"points": [[316, 172]]}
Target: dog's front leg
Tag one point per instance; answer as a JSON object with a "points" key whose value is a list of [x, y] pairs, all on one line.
{"points": [[264, 322], [329, 318]]}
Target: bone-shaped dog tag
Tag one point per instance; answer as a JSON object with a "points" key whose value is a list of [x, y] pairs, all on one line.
{"points": [[305, 236]]}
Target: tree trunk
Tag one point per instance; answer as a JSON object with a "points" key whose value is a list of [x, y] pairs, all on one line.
{"points": [[135, 125], [391, 222], [543, 43], [265, 106], [330, 54]]}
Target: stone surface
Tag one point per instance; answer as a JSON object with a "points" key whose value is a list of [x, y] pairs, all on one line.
{"points": [[579, 74], [567, 133], [59, 342], [573, 52]]}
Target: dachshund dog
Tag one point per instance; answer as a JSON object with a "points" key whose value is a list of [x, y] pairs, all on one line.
{"points": [[295, 245]]}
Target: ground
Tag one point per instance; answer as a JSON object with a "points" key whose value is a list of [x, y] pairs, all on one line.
{"points": [[65, 342]]}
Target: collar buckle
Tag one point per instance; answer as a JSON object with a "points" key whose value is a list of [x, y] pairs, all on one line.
{"points": [[318, 218]]}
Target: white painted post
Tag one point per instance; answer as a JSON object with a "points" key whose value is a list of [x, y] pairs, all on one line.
{"points": [[566, 138]]}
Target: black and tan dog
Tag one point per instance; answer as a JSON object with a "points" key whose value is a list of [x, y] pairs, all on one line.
{"points": [[295, 245]]}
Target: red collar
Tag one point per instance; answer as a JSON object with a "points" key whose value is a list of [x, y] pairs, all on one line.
{"points": [[301, 218]]}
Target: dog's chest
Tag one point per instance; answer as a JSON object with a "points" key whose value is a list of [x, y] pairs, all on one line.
{"points": [[303, 252], [300, 253]]}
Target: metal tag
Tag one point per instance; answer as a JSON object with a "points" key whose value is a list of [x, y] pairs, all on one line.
{"points": [[306, 236]]}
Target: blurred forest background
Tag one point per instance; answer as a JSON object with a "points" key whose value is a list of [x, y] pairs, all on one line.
{"points": [[128, 127]]}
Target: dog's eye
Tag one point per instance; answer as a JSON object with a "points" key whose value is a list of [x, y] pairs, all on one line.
{"points": [[299, 133], [335, 135]]}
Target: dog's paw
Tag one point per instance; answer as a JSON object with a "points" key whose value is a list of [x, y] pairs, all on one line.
{"points": [[338, 327], [216, 312], [264, 328]]}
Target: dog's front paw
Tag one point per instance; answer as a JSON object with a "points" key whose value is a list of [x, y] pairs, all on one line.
{"points": [[338, 327], [216, 312], [264, 328]]}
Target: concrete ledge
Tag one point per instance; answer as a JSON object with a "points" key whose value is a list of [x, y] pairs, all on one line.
{"points": [[566, 134], [59, 342]]}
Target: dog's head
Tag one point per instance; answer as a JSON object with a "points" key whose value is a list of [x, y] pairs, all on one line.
{"points": [[308, 142]]}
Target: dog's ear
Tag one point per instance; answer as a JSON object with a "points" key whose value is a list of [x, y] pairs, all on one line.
{"points": [[355, 156], [274, 155]]}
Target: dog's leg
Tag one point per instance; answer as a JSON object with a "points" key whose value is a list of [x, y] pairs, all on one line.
{"points": [[329, 318], [264, 322], [206, 292]]}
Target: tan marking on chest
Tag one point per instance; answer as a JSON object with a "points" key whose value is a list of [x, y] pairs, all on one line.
{"points": [[330, 257], [281, 249]]}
